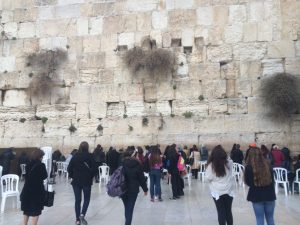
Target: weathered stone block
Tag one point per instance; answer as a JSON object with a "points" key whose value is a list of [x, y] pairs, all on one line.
{"points": [[237, 106], [126, 39], [165, 91], [7, 16], [141, 6], [230, 70], [26, 129], [144, 21], [257, 105], [135, 108], [167, 40], [218, 106], [249, 51], [187, 37], [57, 111], [16, 113], [31, 46], [57, 28], [281, 49], [257, 11], [91, 44], [164, 108], [115, 109], [106, 93], [188, 90], [82, 26], [250, 69], [208, 71], [106, 76], [11, 29], [292, 66], [80, 94], [159, 19], [7, 64], [82, 110], [219, 53], [272, 66], [87, 128], [214, 88], [96, 26], [182, 139], [128, 140], [205, 16], [233, 33], [98, 109], [92, 60], [297, 48], [237, 14], [15, 98], [89, 76], [150, 93], [220, 14], [46, 13], [250, 32], [231, 88], [56, 128], [182, 18], [109, 42], [69, 2], [264, 31], [243, 88], [27, 30], [54, 43], [67, 11], [179, 107], [73, 141]]}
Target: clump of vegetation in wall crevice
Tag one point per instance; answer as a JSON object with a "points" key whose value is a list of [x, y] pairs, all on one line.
{"points": [[281, 93]]}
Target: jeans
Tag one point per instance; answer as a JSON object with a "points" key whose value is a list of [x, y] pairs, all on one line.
{"points": [[129, 200], [223, 205], [87, 196], [155, 188], [262, 210]]}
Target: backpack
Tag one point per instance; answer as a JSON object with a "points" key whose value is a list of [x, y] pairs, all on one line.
{"points": [[116, 186], [180, 164]]}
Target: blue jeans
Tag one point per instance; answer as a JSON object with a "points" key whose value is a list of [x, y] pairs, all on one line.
{"points": [[87, 196], [155, 188], [262, 210], [129, 200]]}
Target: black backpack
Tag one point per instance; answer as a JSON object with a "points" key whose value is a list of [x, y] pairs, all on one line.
{"points": [[116, 186]]}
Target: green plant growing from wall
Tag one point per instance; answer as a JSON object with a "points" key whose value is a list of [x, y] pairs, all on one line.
{"points": [[172, 115], [130, 128], [22, 120], [44, 120], [72, 128], [188, 114], [125, 116], [100, 128], [174, 86], [145, 122], [281, 93], [201, 98]]}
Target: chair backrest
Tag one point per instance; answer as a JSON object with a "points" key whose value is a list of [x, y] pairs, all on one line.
{"points": [[1, 169], [23, 168], [235, 168], [60, 165], [203, 166], [65, 166], [297, 177], [9, 183], [104, 171], [280, 174], [188, 168], [241, 168]]}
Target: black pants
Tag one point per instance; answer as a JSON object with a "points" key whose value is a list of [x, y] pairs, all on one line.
{"points": [[223, 205], [129, 202], [176, 185], [87, 196], [195, 173]]}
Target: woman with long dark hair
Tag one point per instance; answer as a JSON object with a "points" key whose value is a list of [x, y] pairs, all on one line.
{"points": [[155, 163], [82, 170], [33, 192], [259, 178], [221, 183]]}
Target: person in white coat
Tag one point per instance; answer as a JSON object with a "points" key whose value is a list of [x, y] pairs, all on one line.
{"points": [[221, 183]]}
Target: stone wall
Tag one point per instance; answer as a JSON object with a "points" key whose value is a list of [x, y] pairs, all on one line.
{"points": [[225, 48]]}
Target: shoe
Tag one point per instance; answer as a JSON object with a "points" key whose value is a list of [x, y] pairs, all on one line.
{"points": [[173, 198], [152, 199], [82, 220], [160, 199], [78, 222]]}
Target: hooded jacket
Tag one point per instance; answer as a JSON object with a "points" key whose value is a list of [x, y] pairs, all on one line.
{"points": [[134, 176]]}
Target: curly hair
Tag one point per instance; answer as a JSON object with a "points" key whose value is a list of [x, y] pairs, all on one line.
{"points": [[260, 166], [218, 160]]}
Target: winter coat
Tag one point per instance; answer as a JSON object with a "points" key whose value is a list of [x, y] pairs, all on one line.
{"points": [[278, 157], [6, 158], [196, 156], [82, 169], [204, 154], [112, 160], [134, 175], [33, 192], [237, 156]]}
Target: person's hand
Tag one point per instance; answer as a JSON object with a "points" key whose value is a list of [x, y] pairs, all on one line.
{"points": [[146, 193]]}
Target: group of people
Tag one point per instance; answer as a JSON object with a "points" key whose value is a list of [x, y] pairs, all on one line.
{"points": [[83, 169]]}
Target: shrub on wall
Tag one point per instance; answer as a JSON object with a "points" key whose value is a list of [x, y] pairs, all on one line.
{"points": [[281, 93]]}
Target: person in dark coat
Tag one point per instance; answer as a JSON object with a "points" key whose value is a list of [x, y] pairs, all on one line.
{"points": [[99, 157], [176, 183], [237, 155], [33, 192], [23, 159], [82, 170], [112, 159], [134, 178], [6, 157], [259, 177]]}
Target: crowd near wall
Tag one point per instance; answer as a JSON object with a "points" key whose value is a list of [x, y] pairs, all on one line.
{"points": [[224, 50]]}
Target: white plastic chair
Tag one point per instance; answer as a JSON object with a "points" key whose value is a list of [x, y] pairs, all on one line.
{"points": [[103, 174], [189, 174], [148, 178], [280, 177], [297, 181], [241, 175], [60, 167], [1, 169], [201, 173], [165, 171], [9, 188], [23, 170], [65, 170]]}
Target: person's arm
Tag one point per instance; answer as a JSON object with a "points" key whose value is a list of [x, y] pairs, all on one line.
{"points": [[208, 173]]}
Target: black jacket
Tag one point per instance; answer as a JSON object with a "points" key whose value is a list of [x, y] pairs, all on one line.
{"points": [[237, 156], [134, 176], [82, 169], [259, 194], [173, 169], [33, 192]]}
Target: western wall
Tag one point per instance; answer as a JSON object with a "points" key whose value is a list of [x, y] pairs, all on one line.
{"points": [[224, 50]]}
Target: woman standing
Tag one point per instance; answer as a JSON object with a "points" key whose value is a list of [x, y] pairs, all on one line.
{"points": [[195, 158], [82, 170], [259, 178], [134, 178], [33, 193], [173, 157], [221, 183], [155, 163]]}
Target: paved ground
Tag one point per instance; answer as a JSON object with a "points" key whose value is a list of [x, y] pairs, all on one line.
{"points": [[196, 207]]}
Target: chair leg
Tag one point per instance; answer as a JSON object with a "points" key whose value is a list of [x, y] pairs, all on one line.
{"points": [[293, 188], [286, 189], [276, 188], [3, 204], [18, 201]]}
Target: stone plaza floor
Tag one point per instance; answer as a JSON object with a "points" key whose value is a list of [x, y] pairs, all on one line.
{"points": [[195, 208]]}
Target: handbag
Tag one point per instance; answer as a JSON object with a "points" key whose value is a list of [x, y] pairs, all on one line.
{"points": [[49, 198]]}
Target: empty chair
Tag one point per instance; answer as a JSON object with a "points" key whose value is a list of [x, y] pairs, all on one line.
{"points": [[103, 174], [202, 170], [241, 175], [238, 173], [297, 181], [60, 167], [189, 174], [9, 188], [65, 170], [280, 177], [23, 170], [1, 169], [148, 178]]}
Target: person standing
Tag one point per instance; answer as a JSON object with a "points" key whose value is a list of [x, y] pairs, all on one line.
{"points": [[237, 155], [33, 192], [5, 160], [259, 178], [82, 170], [173, 157], [134, 178], [221, 183], [155, 163], [195, 159]]}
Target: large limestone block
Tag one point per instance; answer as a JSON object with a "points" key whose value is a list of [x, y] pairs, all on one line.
{"points": [[141, 6], [57, 128], [250, 32], [63, 111], [177, 4], [31, 46], [230, 70], [150, 93], [87, 127], [231, 88], [109, 42], [214, 35], [177, 125], [272, 66], [106, 93], [7, 64], [243, 88], [119, 126], [7, 16], [16, 113], [126, 39], [22, 142], [92, 60], [112, 24], [80, 94], [179, 107], [27, 30], [69, 2], [54, 43], [104, 141], [11, 29], [264, 31], [208, 71], [144, 21], [257, 11], [115, 109], [257, 105], [97, 109], [233, 33], [209, 124], [188, 90], [159, 19], [219, 53], [106, 76], [280, 138], [250, 69], [91, 44], [214, 88], [182, 139], [182, 18], [164, 108], [82, 110], [135, 108], [128, 140], [89, 76], [297, 48], [165, 91], [60, 95], [131, 92], [218, 106], [67, 11], [295, 124], [292, 66], [167, 40], [15, 98], [205, 16], [281, 49], [73, 142], [46, 13], [82, 26], [220, 14], [237, 14], [96, 25], [237, 106], [59, 28], [256, 87], [249, 51], [26, 129]]}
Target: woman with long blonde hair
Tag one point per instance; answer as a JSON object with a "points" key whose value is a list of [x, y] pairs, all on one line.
{"points": [[259, 178]]}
